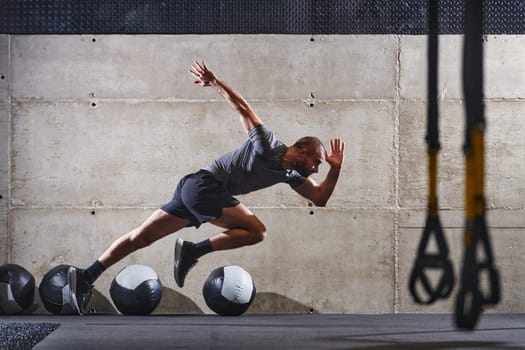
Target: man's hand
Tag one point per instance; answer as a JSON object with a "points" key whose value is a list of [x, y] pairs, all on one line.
{"points": [[319, 194], [336, 156], [204, 76]]}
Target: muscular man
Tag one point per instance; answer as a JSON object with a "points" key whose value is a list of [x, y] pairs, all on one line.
{"points": [[207, 195]]}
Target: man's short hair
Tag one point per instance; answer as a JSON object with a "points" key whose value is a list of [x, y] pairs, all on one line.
{"points": [[311, 143]]}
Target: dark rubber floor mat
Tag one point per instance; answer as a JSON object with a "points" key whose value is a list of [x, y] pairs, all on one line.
{"points": [[24, 335]]}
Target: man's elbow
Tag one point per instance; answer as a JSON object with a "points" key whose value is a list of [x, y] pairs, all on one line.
{"points": [[320, 202], [318, 199]]}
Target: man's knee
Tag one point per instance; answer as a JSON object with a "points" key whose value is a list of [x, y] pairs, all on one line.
{"points": [[258, 232]]}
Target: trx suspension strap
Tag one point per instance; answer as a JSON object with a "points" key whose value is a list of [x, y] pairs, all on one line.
{"points": [[471, 298], [425, 260]]}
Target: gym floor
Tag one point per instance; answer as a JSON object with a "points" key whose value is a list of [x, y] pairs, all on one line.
{"points": [[272, 331]]}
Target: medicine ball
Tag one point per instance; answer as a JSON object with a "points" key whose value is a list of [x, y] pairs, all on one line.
{"points": [[229, 290], [17, 289], [55, 290], [136, 290]]}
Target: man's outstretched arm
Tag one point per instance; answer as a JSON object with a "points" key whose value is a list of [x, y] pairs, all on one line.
{"points": [[205, 77]]}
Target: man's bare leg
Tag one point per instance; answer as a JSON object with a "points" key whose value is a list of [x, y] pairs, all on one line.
{"points": [[158, 225], [243, 228]]}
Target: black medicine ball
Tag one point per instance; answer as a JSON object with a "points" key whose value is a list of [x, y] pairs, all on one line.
{"points": [[136, 290], [229, 290], [55, 291], [17, 289]]}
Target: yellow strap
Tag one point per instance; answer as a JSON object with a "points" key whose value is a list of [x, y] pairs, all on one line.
{"points": [[432, 182], [475, 167]]}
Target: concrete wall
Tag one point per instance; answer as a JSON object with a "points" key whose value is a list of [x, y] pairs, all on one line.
{"points": [[4, 147], [96, 131]]}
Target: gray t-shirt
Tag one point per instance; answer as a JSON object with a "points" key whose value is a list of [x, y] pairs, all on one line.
{"points": [[254, 165]]}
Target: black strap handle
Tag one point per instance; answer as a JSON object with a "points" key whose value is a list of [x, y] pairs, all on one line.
{"points": [[437, 261], [471, 298], [469, 305]]}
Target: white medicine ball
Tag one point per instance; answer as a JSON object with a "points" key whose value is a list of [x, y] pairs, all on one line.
{"points": [[229, 290], [136, 290]]}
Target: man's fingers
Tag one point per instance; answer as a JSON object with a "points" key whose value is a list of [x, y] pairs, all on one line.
{"points": [[199, 65], [194, 72], [199, 70], [196, 68], [337, 145]]}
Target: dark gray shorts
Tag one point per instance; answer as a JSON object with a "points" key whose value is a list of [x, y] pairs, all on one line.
{"points": [[199, 197]]}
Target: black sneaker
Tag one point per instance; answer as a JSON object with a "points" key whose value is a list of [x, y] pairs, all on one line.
{"points": [[80, 289], [183, 261]]}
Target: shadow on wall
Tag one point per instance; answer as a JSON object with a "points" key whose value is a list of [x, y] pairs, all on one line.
{"points": [[172, 302], [277, 303], [99, 304], [175, 303]]}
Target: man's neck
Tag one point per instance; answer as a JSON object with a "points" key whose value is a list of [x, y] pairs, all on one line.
{"points": [[288, 161]]}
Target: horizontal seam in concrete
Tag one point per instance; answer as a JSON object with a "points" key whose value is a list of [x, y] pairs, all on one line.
{"points": [[182, 100], [461, 99], [419, 208], [197, 101], [80, 207], [401, 209], [446, 227]]}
